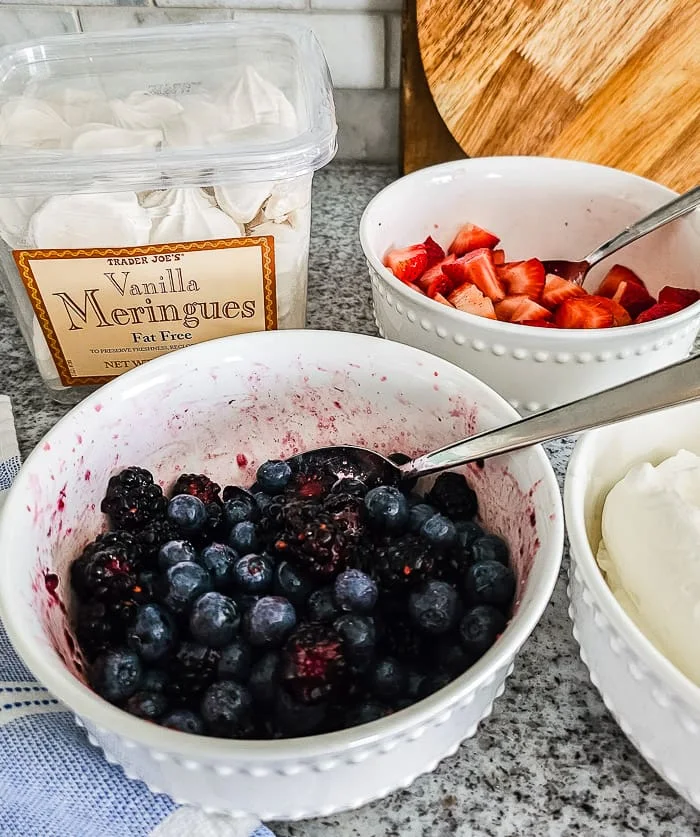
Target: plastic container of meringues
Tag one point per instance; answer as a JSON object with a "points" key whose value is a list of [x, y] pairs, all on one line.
{"points": [[155, 190]]}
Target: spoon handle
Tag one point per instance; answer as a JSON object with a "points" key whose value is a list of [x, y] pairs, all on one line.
{"points": [[677, 384], [679, 206]]}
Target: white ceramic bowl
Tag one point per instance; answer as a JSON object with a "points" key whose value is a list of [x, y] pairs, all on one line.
{"points": [[260, 396], [657, 706], [539, 207]]}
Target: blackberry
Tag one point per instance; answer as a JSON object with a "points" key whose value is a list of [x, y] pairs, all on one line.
{"points": [[107, 573], [403, 561], [133, 500], [312, 539], [95, 631], [452, 495], [153, 535], [192, 669], [347, 509], [128, 542], [401, 639], [198, 485], [313, 663]]}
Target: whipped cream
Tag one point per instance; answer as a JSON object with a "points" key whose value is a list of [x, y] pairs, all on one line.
{"points": [[650, 554]]}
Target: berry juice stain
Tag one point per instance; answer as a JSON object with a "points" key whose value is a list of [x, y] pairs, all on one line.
{"points": [[51, 584], [241, 460]]}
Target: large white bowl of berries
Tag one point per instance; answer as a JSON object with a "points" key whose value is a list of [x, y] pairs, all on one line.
{"points": [[305, 646], [455, 255]]}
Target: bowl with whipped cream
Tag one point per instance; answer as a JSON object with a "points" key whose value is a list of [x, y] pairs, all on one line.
{"points": [[155, 190], [632, 507]]}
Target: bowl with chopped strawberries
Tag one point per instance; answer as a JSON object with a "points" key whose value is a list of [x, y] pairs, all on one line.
{"points": [[457, 257]]}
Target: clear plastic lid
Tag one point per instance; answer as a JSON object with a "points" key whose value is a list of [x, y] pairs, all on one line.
{"points": [[157, 108]]}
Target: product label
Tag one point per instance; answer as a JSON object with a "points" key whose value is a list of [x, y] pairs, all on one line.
{"points": [[104, 311]]}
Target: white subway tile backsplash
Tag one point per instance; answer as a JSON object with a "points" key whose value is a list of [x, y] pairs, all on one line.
{"points": [[100, 19], [393, 50], [24, 23], [358, 5], [58, 3], [270, 5], [353, 44], [368, 125]]}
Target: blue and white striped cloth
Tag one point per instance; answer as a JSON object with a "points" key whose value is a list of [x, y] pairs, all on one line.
{"points": [[53, 782]]}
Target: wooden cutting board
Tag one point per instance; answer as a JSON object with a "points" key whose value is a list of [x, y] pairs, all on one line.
{"points": [[615, 82]]}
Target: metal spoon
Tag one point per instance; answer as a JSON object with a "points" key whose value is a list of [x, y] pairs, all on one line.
{"points": [[677, 384], [576, 271]]}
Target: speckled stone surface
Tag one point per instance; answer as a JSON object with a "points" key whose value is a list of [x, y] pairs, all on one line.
{"points": [[550, 760]]}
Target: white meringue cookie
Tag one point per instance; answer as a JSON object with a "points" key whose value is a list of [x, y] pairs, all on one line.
{"points": [[79, 107], [15, 214], [199, 119], [187, 215], [141, 110], [288, 196], [108, 138], [31, 123], [253, 100], [74, 221], [242, 202]]}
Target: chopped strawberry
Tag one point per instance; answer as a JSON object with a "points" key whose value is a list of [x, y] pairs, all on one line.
{"points": [[499, 257], [436, 270], [583, 312], [633, 297], [660, 309], [471, 237], [515, 309], [523, 278], [438, 284], [470, 299], [407, 264], [556, 290], [620, 315], [538, 323], [415, 288], [617, 273], [433, 250], [441, 298], [679, 296], [478, 268]]}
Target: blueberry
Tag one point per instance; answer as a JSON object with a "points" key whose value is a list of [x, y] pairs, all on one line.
{"points": [[182, 584], [439, 531], [359, 637], [153, 633], [264, 681], [214, 620], [489, 582], [274, 476], [321, 606], [490, 548], [418, 515], [467, 533], [387, 509], [183, 720], [263, 501], [116, 674], [434, 607], [173, 552], [148, 705], [187, 512], [364, 713], [153, 680], [239, 505], [388, 679], [270, 621], [451, 657], [291, 583], [479, 629], [226, 710], [244, 537], [235, 662], [296, 719], [253, 574], [220, 561], [355, 591], [433, 683], [415, 684]]}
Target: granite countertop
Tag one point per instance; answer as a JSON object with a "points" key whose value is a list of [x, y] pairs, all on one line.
{"points": [[550, 760]]}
